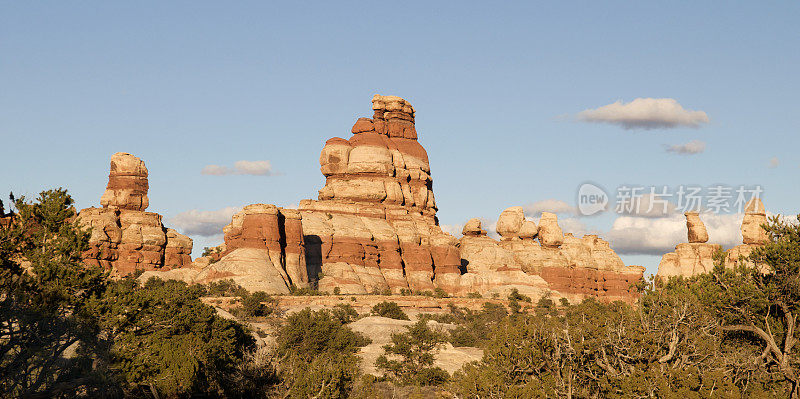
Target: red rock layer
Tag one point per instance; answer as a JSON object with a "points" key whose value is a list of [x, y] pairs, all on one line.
{"points": [[604, 284]]}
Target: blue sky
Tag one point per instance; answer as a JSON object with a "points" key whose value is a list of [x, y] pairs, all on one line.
{"points": [[497, 88]]}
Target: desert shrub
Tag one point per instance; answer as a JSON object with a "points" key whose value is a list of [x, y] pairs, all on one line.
{"points": [[516, 296], [345, 313], [389, 309], [257, 304], [212, 252], [440, 293], [474, 327], [225, 288], [415, 349], [163, 337], [305, 291], [474, 295], [317, 355]]}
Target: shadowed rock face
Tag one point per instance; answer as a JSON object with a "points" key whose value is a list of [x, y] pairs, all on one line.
{"points": [[124, 238]]}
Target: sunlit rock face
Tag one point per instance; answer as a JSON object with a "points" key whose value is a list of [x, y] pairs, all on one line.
{"points": [[698, 256], [373, 229], [571, 266], [124, 238]]}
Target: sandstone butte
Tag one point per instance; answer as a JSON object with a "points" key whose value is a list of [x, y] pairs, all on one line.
{"points": [[124, 238], [374, 229], [697, 256]]}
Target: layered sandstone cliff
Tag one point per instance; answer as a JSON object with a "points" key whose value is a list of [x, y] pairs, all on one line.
{"points": [[124, 238]]}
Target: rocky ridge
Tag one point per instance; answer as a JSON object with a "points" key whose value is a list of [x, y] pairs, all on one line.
{"points": [[373, 229]]}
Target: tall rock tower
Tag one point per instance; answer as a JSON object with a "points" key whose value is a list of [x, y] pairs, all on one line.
{"points": [[374, 225]]}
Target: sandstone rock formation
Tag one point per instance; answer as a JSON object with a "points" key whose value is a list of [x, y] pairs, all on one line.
{"points": [[473, 228], [127, 184], [753, 234], [696, 228], [373, 229], [492, 269], [754, 217], [550, 234], [573, 267], [125, 238], [697, 256]]}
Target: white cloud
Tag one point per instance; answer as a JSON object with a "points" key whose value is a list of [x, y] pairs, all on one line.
{"points": [[490, 225], [535, 209], [650, 205], [255, 168], [204, 223], [774, 162], [453, 229], [645, 113], [690, 148], [634, 235], [575, 226]]}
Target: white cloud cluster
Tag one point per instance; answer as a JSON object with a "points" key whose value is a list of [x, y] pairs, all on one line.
{"points": [[255, 168], [535, 209], [691, 148], [645, 113], [635, 235], [204, 223]]}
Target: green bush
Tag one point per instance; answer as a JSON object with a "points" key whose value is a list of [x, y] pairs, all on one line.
{"points": [[225, 288], [317, 355], [389, 309], [416, 349], [305, 291], [165, 338], [257, 304], [345, 313]]}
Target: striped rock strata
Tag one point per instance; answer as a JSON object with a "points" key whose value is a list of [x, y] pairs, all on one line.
{"points": [[124, 238]]}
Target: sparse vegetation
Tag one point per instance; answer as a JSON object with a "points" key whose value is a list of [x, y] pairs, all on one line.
{"points": [[389, 309]]}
